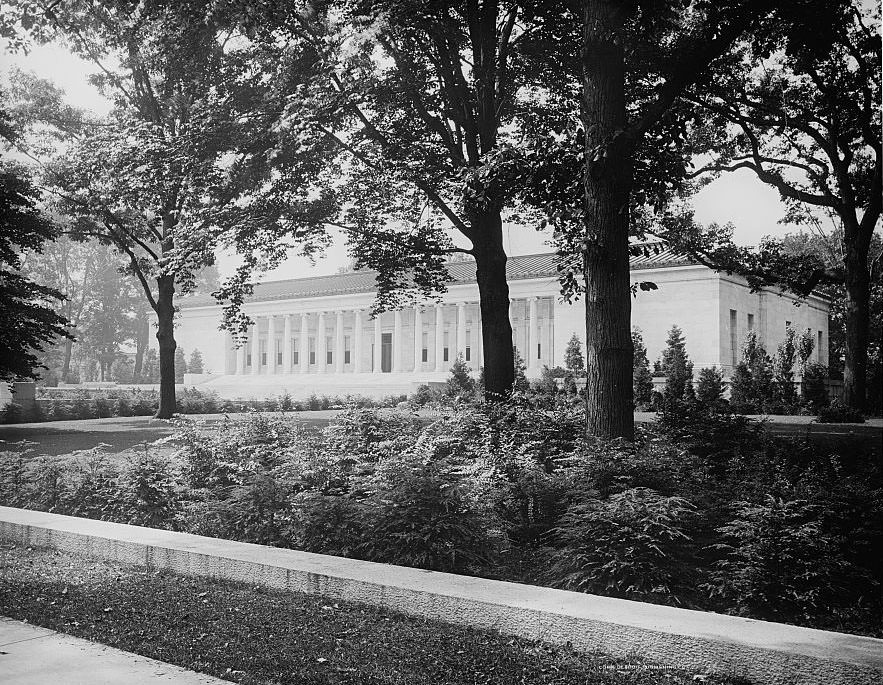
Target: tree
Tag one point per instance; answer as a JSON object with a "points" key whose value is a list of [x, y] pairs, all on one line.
{"points": [[710, 387], [150, 369], [677, 367], [195, 363], [574, 361], [161, 176], [808, 124], [461, 383], [67, 266], [642, 379], [751, 386], [180, 365], [422, 101], [624, 161], [27, 309], [783, 368]]}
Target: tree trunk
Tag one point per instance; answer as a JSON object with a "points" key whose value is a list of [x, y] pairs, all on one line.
{"points": [[858, 293], [142, 336], [165, 335], [66, 364], [493, 290], [608, 180]]}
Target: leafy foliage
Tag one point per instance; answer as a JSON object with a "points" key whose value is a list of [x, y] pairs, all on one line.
{"points": [[642, 378], [27, 309]]}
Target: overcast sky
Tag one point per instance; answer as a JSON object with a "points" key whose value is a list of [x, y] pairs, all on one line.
{"points": [[753, 207]]}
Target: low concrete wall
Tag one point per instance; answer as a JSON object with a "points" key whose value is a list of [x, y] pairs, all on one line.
{"points": [[764, 652]]}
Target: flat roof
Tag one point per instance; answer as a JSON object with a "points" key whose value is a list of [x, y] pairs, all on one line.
{"points": [[543, 265]]}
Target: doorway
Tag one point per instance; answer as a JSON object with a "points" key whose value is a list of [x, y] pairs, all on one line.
{"points": [[386, 352]]}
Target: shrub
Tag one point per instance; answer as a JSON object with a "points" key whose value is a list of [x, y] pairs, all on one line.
{"points": [[328, 524], [195, 363], [425, 514], [778, 563], [837, 412], [814, 386], [710, 389], [102, 408], [630, 544], [148, 493], [677, 367], [461, 384], [642, 379], [180, 365], [122, 407], [13, 412], [284, 403]]}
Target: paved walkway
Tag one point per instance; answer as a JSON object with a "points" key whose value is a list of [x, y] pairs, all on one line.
{"points": [[30, 655]]}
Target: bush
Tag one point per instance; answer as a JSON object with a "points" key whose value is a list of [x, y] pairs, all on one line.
{"points": [[425, 515], [814, 386], [13, 412], [779, 563], [148, 492], [710, 389], [837, 412], [630, 544]]}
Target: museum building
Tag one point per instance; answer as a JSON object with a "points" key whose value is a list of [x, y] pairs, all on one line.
{"points": [[317, 335]]}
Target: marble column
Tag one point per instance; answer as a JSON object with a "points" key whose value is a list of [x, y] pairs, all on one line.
{"points": [[255, 349], [338, 343], [304, 354], [418, 339], [461, 330], [321, 344], [533, 333], [479, 338], [378, 343], [358, 325], [286, 345], [240, 359], [271, 344], [397, 346], [439, 337]]}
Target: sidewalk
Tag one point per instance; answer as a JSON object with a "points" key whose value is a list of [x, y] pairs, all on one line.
{"points": [[30, 655]]}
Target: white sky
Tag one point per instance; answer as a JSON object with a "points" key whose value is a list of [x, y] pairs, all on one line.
{"points": [[753, 207]]}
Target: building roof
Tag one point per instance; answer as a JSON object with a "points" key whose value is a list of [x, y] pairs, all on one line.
{"points": [[654, 256]]}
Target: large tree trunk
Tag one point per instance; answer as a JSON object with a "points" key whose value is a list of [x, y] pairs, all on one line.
{"points": [[493, 290], [165, 335], [858, 293], [608, 180]]}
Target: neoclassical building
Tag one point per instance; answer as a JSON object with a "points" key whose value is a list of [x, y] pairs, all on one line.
{"points": [[316, 334]]}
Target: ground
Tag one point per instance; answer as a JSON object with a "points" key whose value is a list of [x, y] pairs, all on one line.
{"points": [[121, 433]]}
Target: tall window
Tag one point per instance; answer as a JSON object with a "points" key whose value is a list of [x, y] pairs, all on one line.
{"points": [[263, 352], [819, 350], [346, 349], [445, 351], [295, 352], [329, 350], [424, 352], [751, 322], [734, 343], [539, 350], [312, 347], [278, 353], [468, 351]]}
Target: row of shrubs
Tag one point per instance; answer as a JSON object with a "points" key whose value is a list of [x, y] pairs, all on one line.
{"points": [[704, 511], [106, 404]]}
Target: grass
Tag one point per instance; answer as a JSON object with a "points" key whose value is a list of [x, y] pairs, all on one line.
{"points": [[260, 636]]}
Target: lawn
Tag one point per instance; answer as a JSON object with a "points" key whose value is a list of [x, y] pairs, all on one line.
{"points": [[260, 636]]}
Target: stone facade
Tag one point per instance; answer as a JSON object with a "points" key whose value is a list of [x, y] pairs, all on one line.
{"points": [[317, 334]]}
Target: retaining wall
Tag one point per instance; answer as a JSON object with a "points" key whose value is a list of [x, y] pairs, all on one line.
{"points": [[761, 651]]}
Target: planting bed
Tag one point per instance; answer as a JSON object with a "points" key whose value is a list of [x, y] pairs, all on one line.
{"points": [[255, 635]]}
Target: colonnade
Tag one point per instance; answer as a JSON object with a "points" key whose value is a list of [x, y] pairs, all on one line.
{"points": [[423, 338]]}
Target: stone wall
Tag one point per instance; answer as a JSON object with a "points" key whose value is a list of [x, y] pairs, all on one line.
{"points": [[701, 642]]}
